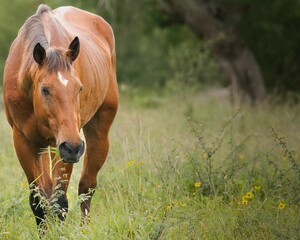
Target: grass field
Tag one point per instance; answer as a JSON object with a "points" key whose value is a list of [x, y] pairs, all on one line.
{"points": [[182, 165]]}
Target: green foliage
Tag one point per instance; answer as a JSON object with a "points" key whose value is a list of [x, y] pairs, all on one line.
{"points": [[270, 30], [152, 56]]}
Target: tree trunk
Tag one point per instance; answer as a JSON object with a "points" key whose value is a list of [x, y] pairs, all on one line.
{"points": [[236, 60]]}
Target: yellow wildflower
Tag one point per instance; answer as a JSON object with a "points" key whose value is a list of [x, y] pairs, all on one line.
{"points": [[197, 184], [242, 157], [23, 184], [174, 204], [256, 187], [249, 195], [281, 205], [130, 163], [169, 207], [134, 163], [244, 201]]}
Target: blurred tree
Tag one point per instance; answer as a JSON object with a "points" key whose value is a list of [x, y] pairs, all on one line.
{"points": [[206, 18], [271, 30], [247, 37]]}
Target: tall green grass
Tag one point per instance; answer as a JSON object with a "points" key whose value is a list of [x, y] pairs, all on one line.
{"points": [[182, 165]]}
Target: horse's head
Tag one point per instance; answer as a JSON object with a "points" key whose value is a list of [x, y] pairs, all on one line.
{"points": [[56, 98]]}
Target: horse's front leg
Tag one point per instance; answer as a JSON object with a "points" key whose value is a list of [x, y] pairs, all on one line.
{"points": [[61, 173], [36, 167], [97, 143]]}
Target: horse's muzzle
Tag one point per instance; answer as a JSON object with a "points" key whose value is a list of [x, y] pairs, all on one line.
{"points": [[71, 153]]}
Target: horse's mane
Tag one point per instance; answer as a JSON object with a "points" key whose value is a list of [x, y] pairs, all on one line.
{"points": [[31, 33]]}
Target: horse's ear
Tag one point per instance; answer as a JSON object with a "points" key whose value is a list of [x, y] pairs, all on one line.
{"points": [[39, 54], [74, 48]]}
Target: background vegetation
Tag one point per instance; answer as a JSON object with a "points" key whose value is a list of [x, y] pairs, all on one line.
{"points": [[169, 52], [185, 162], [269, 29]]}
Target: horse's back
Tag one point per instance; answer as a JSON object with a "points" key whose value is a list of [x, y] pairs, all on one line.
{"points": [[85, 24]]}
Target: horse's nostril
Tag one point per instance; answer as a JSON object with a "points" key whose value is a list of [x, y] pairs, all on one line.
{"points": [[65, 147], [70, 152]]}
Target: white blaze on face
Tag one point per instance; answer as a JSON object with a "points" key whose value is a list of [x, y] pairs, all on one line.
{"points": [[62, 80]]}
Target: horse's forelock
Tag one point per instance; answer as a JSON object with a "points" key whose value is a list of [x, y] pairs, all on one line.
{"points": [[56, 60]]}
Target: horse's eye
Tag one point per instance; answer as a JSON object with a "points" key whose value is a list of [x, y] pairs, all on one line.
{"points": [[45, 91], [80, 89]]}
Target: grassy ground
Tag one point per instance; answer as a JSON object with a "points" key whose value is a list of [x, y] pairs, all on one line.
{"points": [[186, 165]]}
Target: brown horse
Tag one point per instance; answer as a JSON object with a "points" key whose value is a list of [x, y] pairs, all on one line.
{"points": [[60, 77]]}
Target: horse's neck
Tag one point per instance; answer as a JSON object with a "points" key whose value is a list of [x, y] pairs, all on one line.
{"points": [[55, 33]]}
